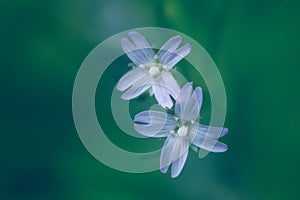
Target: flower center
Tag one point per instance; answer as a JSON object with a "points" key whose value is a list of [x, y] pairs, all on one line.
{"points": [[183, 131], [154, 71]]}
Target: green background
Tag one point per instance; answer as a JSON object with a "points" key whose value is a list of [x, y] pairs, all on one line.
{"points": [[255, 45]]}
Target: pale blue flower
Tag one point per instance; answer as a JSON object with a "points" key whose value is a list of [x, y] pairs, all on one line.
{"points": [[181, 130], [152, 69]]}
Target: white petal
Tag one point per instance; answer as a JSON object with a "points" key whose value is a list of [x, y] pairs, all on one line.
{"points": [[190, 110], [174, 148], [177, 166], [172, 58], [205, 141], [199, 95], [131, 77], [169, 47], [162, 96], [165, 85], [156, 123], [164, 169], [132, 52], [134, 92], [167, 79], [137, 89], [172, 43], [155, 117], [186, 106], [142, 44], [211, 131], [139, 40]]}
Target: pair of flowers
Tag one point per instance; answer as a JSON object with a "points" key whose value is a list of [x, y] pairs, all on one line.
{"points": [[152, 72]]}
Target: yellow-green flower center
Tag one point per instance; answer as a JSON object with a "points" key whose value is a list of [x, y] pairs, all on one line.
{"points": [[183, 131], [154, 71]]}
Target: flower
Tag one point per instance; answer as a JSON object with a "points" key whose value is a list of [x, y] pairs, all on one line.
{"points": [[152, 70], [181, 130]]}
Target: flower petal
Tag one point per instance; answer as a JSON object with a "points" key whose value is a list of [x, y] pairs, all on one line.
{"points": [[169, 47], [137, 89], [156, 123], [190, 110], [181, 99], [211, 131], [131, 77], [135, 55], [164, 86], [167, 79], [199, 95], [139, 40], [172, 44], [186, 106], [205, 141], [177, 166], [162, 96], [174, 148], [142, 44], [172, 58], [164, 170]]}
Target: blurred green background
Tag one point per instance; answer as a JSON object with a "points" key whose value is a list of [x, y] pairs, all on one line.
{"points": [[255, 45]]}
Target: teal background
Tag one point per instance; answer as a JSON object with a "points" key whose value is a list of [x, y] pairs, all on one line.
{"points": [[255, 45]]}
